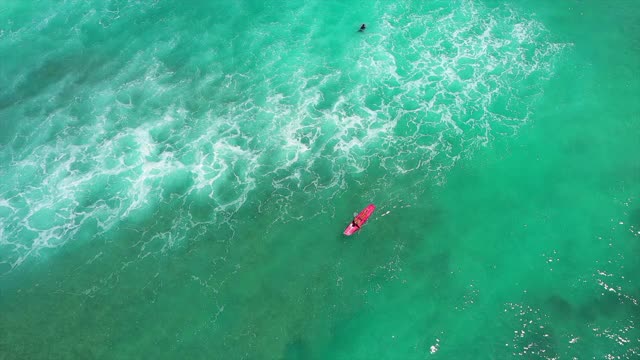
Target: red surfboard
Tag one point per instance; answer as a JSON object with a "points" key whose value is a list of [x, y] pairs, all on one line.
{"points": [[359, 220]]}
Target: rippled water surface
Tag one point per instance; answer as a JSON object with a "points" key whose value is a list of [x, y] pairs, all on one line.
{"points": [[175, 179]]}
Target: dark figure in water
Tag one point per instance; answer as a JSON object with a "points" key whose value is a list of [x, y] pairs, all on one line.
{"points": [[363, 27]]}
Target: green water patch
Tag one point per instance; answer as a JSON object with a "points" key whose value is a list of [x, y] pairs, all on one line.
{"points": [[176, 179]]}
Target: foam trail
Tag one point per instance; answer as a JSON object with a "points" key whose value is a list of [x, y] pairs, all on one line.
{"points": [[121, 136]]}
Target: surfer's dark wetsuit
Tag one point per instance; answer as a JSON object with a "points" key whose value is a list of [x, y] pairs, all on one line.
{"points": [[354, 224], [363, 27]]}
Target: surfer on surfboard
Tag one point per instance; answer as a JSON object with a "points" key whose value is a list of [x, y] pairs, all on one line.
{"points": [[359, 220], [363, 27]]}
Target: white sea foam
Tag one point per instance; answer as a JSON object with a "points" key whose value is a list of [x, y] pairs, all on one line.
{"points": [[421, 92]]}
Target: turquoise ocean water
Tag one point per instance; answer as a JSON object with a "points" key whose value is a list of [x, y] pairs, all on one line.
{"points": [[175, 178]]}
